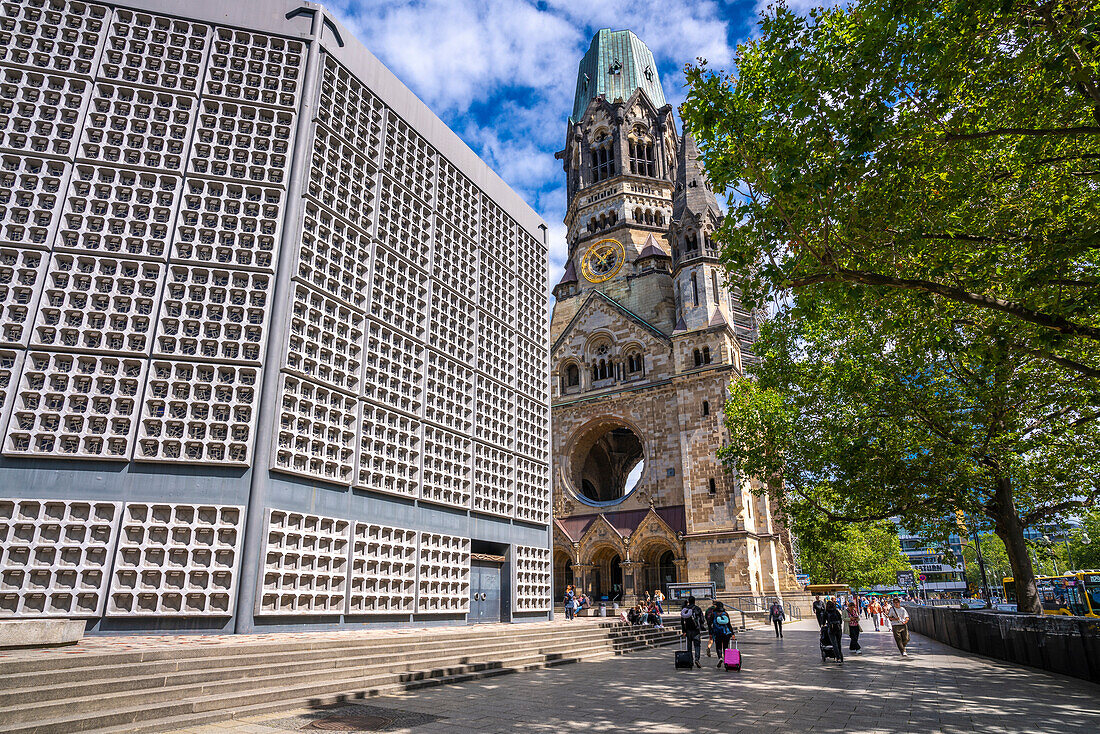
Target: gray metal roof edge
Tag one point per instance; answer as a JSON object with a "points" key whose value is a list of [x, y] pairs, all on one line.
{"points": [[269, 16]]}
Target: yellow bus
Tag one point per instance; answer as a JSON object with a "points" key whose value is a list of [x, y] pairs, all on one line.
{"points": [[1077, 593]]}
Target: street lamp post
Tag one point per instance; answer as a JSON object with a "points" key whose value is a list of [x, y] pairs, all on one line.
{"points": [[981, 568]]}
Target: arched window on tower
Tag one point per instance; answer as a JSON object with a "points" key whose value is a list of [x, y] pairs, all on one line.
{"points": [[706, 355], [706, 408], [648, 216], [698, 358], [659, 219], [634, 363], [713, 487], [603, 161], [612, 218], [572, 376], [691, 242], [714, 283], [695, 289], [643, 161], [638, 214]]}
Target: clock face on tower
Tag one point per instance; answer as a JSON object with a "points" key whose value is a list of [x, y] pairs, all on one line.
{"points": [[603, 260]]}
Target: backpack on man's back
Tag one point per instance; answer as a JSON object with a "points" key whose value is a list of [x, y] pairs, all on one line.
{"points": [[689, 622]]}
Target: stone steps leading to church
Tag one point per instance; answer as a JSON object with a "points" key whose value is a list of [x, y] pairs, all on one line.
{"points": [[109, 697]]}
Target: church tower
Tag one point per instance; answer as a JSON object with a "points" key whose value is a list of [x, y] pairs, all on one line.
{"points": [[645, 338]]}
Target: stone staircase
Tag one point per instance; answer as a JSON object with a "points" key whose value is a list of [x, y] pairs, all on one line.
{"points": [[157, 689]]}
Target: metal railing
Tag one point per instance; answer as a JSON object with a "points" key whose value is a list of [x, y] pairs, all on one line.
{"points": [[764, 604]]}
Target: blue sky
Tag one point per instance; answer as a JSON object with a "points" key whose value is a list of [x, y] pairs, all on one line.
{"points": [[502, 73]]}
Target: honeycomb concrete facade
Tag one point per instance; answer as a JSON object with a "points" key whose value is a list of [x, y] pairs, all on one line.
{"points": [[646, 337], [273, 352]]}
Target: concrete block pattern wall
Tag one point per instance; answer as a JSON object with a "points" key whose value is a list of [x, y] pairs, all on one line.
{"points": [[305, 564], [176, 560], [444, 574], [534, 572], [242, 269], [383, 570], [55, 557]]}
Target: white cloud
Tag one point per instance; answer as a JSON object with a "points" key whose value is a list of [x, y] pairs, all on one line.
{"points": [[451, 53], [502, 73]]}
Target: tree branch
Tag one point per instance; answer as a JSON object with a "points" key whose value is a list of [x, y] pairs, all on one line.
{"points": [[1045, 512], [1069, 364], [997, 132], [833, 516], [1039, 318]]}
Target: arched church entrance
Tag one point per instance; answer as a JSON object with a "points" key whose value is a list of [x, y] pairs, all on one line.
{"points": [[606, 582], [606, 462], [563, 575], [658, 570]]}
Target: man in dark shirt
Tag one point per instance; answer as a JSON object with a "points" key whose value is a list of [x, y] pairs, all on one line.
{"points": [[819, 611], [692, 624]]}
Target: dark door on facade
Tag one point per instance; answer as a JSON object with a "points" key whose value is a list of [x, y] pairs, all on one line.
{"points": [[485, 577]]}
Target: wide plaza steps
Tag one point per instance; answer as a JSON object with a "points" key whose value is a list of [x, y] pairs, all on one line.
{"points": [[158, 688]]}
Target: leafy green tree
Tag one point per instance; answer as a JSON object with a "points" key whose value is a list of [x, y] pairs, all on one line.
{"points": [[995, 557], [863, 414], [860, 555], [1084, 546], [946, 148]]}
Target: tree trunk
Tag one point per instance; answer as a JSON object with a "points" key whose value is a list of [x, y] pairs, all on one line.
{"points": [[1009, 528]]}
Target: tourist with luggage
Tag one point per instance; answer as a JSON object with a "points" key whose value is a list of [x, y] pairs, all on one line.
{"points": [[854, 628], [899, 625], [692, 624], [709, 617], [833, 622], [777, 615], [722, 631]]}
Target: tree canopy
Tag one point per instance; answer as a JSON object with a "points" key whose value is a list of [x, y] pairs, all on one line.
{"points": [[948, 148], [860, 555], [873, 413]]}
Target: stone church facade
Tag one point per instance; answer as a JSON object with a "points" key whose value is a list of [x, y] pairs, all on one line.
{"points": [[645, 338]]}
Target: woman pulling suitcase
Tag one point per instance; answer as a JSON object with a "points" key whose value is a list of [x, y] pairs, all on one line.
{"points": [[722, 630]]}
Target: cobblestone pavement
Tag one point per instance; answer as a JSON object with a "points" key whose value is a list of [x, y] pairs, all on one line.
{"points": [[784, 687]]}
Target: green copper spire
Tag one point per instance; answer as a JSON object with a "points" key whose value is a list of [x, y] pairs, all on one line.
{"points": [[616, 64]]}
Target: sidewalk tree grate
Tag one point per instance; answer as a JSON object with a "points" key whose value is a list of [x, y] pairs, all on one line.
{"points": [[350, 723], [349, 717]]}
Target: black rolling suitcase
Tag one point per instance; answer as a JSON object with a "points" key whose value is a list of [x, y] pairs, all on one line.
{"points": [[683, 657]]}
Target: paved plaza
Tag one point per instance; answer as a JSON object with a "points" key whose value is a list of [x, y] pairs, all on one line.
{"points": [[784, 687]]}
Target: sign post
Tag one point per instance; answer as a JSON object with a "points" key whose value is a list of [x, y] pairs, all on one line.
{"points": [[905, 579]]}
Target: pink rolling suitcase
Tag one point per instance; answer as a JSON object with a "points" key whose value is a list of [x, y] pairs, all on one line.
{"points": [[732, 658]]}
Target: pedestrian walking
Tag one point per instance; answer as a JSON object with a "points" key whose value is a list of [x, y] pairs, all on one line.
{"points": [[819, 611], [722, 631], [834, 624], [777, 615], [712, 610], [853, 628], [899, 625], [863, 604], [874, 611], [692, 624]]}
